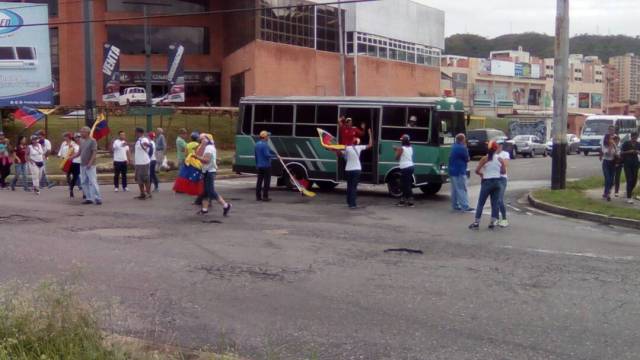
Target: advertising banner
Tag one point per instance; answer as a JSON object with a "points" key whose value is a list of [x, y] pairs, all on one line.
{"points": [[485, 67], [25, 56], [596, 101], [572, 101], [502, 68], [583, 100], [175, 75], [111, 74]]}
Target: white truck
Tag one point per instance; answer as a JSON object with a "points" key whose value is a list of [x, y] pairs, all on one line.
{"points": [[133, 95]]}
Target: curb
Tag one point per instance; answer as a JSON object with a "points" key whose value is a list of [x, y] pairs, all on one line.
{"points": [[582, 215]]}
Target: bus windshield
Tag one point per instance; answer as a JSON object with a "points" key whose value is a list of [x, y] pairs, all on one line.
{"points": [[596, 127], [451, 124]]}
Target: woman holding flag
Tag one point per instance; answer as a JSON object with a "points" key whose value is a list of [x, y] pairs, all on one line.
{"points": [[189, 180], [67, 151]]}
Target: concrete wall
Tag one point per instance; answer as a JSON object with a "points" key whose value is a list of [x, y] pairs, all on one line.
{"points": [[377, 77]]}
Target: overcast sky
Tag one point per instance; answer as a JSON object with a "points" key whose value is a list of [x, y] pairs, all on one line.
{"points": [[492, 18]]}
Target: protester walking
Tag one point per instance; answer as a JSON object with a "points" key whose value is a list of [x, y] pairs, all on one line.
{"points": [[75, 164], [263, 155], [490, 168], [154, 161], [629, 154], [458, 161], [20, 164], [161, 148], [181, 147], [617, 172], [67, 153], [48, 148], [404, 155], [609, 153], [35, 156], [502, 218], [353, 168], [142, 164], [209, 169], [121, 158], [88, 171], [6, 159]]}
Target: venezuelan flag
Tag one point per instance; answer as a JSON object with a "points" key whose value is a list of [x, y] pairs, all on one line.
{"points": [[329, 141], [28, 116], [100, 128]]}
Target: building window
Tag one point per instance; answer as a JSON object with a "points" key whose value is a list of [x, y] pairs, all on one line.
{"points": [[164, 7], [385, 48], [130, 38]]}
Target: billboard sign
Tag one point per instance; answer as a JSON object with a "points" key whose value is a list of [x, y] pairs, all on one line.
{"points": [[572, 101], [175, 76], [25, 56], [503, 68], [111, 74]]}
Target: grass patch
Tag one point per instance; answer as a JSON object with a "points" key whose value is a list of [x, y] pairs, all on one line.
{"points": [[574, 197]]}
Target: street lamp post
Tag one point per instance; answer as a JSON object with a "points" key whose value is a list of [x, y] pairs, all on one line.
{"points": [[89, 79], [560, 85]]}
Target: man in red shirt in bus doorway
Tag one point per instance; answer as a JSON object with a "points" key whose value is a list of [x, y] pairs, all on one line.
{"points": [[348, 132]]}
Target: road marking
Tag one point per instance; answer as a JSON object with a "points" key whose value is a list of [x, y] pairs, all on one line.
{"points": [[513, 208], [569, 253]]}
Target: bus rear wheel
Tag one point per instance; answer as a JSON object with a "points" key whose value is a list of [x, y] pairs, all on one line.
{"points": [[394, 184], [299, 174], [431, 188]]}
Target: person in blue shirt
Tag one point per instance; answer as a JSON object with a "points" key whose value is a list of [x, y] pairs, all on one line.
{"points": [[458, 174], [263, 156]]}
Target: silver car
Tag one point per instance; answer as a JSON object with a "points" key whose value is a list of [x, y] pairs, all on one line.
{"points": [[530, 145]]}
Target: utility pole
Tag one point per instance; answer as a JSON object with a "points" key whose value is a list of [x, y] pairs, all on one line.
{"points": [[147, 68], [89, 79], [341, 44], [560, 87]]}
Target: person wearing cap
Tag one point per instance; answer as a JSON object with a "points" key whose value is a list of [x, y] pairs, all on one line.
{"points": [[121, 158], [154, 161], [263, 155], [348, 132], [88, 172], [458, 161], [142, 161], [413, 121], [502, 217], [490, 169], [66, 152], [206, 153], [35, 157], [20, 164], [404, 155]]}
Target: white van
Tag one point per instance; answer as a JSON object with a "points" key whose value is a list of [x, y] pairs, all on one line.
{"points": [[596, 127], [133, 95]]}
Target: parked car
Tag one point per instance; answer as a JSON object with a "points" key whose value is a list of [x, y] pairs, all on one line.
{"points": [[478, 140], [133, 95], [530, 145], [573, 144]]}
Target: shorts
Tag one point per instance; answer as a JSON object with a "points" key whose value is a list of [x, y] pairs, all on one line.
{"points": [[143, 174]]}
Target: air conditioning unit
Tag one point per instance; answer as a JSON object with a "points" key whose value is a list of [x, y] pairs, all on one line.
{"points": [[18, 57]]}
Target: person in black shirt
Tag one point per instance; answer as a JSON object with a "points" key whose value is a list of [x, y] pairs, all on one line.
{"points": [[629, 152]]}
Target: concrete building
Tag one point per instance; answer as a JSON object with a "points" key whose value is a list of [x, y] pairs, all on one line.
{"points": [[393, 48], [627, 69]]}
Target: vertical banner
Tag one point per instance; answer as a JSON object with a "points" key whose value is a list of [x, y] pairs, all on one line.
{"points": [[111, 74], [175, 76]]}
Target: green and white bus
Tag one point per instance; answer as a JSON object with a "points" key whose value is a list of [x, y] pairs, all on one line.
{"points": [[293, 123]]}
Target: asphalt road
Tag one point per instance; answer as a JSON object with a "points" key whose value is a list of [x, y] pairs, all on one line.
{"points": [[299, 278]]}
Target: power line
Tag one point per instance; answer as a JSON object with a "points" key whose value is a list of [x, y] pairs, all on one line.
{"points": [[197, 13]]}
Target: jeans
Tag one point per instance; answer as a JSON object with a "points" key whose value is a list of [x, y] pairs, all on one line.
{"points": [[210, 187], [459, 196], [36, 174], [120, 171], [631, 173], [264, 183], [616, 178], [73, 177], [489, 188], [608, 170], [21, 172], [90, 187], [152, 174], [407, 183], [353, 178], [503, 190], [44, 180]]}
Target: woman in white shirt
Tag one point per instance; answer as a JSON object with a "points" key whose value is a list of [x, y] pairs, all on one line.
{"points": [[609, 154], [35, 157], [206, 153], [404, 155], [353, 168], [490, 168]]}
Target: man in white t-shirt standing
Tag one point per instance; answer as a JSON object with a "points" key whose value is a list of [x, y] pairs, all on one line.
{"points": [[142, 164], [46, 145], [209, 169], [121, 156], [353, 168], [502, 221]]}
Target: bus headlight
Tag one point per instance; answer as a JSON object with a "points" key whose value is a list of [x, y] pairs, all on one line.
{"points": [[443, 168]]}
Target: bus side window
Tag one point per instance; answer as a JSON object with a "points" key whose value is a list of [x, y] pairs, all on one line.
{"points": [[246, 119], [263, 114], [281, 121], [394, 116], [422, 116]]}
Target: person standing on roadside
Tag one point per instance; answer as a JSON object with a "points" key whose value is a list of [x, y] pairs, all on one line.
{"points": [[142, 164], [6, 159], [629, 153], [121, 158], [617, 172], [161, 147], [20, 164], [502, 217], [458, 161], [46, 145], [490, 168], [263, 155], [353, 168], [181, 147], [154, 161], [88, 171], [404, 155], [608, 155], [35, 157], [66, 152], [209, 169]]}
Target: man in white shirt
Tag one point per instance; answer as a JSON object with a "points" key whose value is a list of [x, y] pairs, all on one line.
{"points": [[209, 169], [502, 222], [121, 158], [142, 164], [353, 168], [46, 145]]}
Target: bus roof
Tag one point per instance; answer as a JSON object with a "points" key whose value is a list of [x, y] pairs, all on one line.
{"points": [[611, 117], [451, 104]]}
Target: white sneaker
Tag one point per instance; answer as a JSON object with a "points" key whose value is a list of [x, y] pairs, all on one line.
{"points": [[115, 190], [125, 190], [629, 201], [503, 223]]}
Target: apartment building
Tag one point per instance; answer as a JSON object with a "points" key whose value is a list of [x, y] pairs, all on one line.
{"points": [[627, 77]]}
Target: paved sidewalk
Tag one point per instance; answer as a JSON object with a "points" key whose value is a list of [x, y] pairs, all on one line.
{"points": [[620, 201]]}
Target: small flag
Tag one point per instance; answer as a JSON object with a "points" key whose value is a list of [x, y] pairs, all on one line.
{"points": [[329, 141], [100, 128], [28, 116]]}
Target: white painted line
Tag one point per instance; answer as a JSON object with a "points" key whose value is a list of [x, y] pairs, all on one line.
{"points": [[513, 208], [569, 253]]}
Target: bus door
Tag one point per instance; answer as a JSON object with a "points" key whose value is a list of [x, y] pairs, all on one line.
{"points": [[370, 118]]}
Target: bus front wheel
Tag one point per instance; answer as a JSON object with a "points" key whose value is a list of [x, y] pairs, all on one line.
{"points": [[394, 184], [431, 188]]}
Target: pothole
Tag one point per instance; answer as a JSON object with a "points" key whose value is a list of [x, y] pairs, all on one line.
{"points": [[14, 218], [228, 271], [118, 232]]}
